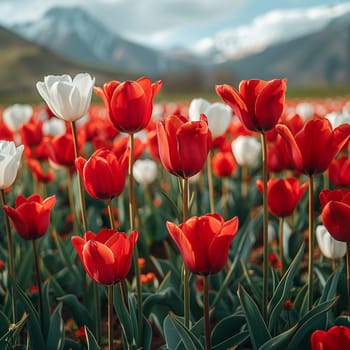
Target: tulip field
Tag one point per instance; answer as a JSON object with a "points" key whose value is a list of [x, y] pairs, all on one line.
{"points": [[139, 224]]}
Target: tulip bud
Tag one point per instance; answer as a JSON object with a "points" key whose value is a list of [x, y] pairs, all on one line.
{"points": [[330, 247], [246, 150]]}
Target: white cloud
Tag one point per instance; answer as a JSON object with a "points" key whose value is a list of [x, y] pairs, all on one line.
{"points": [[272, 27]]}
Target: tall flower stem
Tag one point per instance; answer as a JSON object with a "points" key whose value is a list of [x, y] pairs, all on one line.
{"points": [[210, 183], [38, 281], [80, 184], [206, 313], [280, 242], [265, 222], [71, 201], [348, 273], [110, 317], [11, 259], [311, 242], [132, 214], [185, 192], [244, 181]]}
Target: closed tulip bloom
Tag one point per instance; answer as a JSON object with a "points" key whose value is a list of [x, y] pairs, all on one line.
{"points": [[103, 174], [330, 247], [145, 171], [246, 150], [68, 99], [61, 150], [183, 144], [10, 157], [335, 338], [283, 195], [204, 242], [339, 171], [16, 115], [258, 104], [219, 115], [223, 164], [129, 103], [31, 216], [336, 213], [314, 147], [54, 126], [31, 133], [106, 256]]}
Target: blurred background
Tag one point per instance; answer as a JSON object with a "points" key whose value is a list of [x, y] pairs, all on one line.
{"points": [[190, 44]]}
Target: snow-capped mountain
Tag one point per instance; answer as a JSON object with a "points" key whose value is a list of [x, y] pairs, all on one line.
{"points": [[73, 33]]}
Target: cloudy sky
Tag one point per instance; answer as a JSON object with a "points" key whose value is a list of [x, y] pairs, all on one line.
{"points": [[168, 23]]}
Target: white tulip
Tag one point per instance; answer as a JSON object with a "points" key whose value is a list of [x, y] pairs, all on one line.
{"points": [[69, 99], [10, 157], [145, 171], [337, 119], [246, 150], [219, 115], [330, 247], [305, 110], [197, 107], [16, 115], [54, 126]]}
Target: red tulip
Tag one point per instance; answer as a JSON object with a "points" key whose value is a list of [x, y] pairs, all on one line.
{"points": [[313, 148], [283, 195], [129, 103], [336, 213], [103, 174], [223, 164], [31, 216], [339, 172], [38, 172], [204, 241], [61, 150], [335, 338], [258, 104], [106, 256], [183, 144]]}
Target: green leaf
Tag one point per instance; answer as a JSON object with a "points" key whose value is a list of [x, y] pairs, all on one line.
{"points": [[147, 335], [232, 341], [8, 339], [175, 331], [46, 309], [330, 288], [33, 323], [123, 315], [257, 327], [90, 340], [314, 319], [56, 335], [280, 341], [227, 327], [276, 304], [79, 312]]}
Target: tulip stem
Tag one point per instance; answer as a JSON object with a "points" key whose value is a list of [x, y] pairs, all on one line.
{"points": [[244, 181], [71, 202], [280, 242], [206, 313], [132, 213], [265, 222], [37, 273], [110, 214], [311, 242], [11, 259], [348, 273], [80, 184], [210, 183], [110, 317], [185, 190]]}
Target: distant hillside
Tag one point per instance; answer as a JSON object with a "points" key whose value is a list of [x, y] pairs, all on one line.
{"points": [[23, 63], [317, 59]]}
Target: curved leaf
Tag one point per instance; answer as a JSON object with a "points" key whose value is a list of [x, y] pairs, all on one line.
{"points": [[280, 341], [56, 335]]}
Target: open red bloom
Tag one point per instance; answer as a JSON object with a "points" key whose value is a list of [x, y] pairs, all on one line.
{"points": [[129, 103], [31, 216], [106, 256], [313, 148], [258, 103], [103, 174], [336, 213], [337, 337], [283, 195], [204, 241], [183, 144]]}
